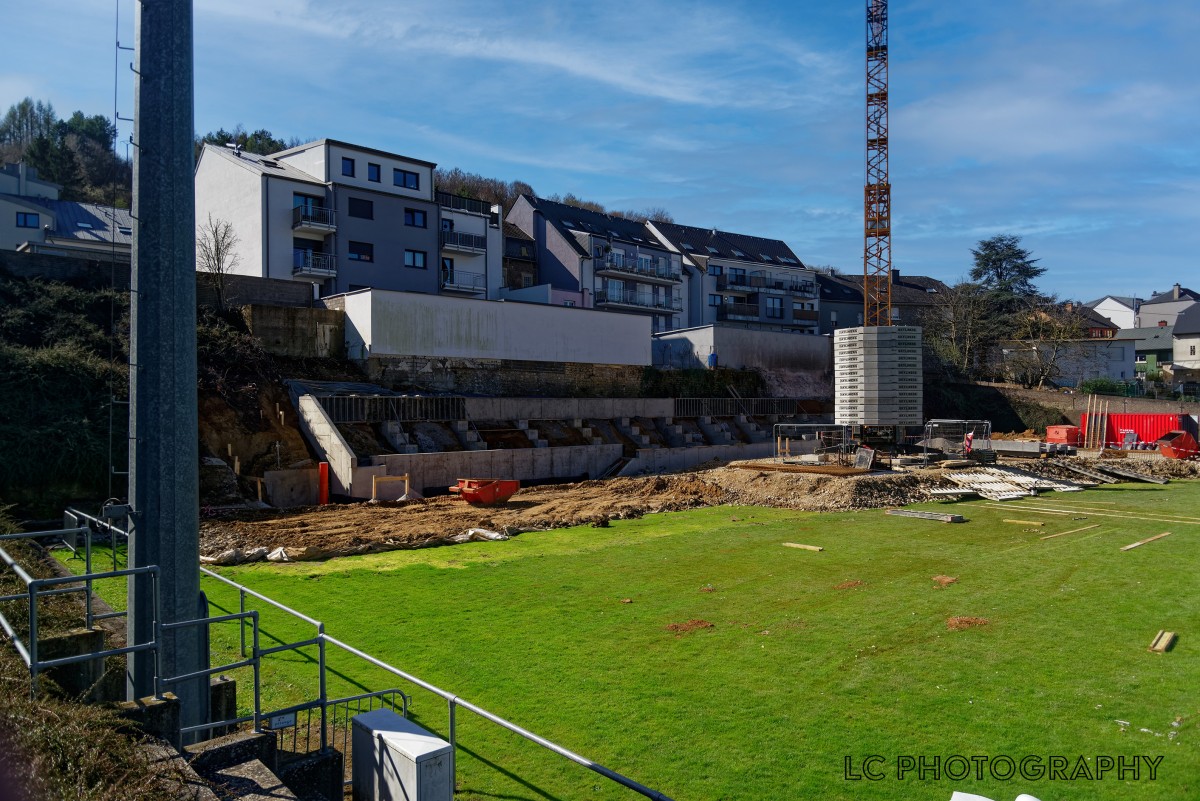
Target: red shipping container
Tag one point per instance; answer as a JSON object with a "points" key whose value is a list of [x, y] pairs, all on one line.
{"points": [[1147, 427]]}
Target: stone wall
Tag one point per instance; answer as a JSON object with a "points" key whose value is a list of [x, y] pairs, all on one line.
{"points": [[504, 377], [298, 332], [93, 272]]}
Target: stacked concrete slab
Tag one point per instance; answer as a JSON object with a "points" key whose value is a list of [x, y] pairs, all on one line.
{"points": [[877, 376]]}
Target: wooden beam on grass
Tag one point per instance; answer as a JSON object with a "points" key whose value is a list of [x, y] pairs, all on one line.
{"points": [[939, 516], [805, 547], [1143, 542], [1027, 522], [1072, 531], [1163, 642]]}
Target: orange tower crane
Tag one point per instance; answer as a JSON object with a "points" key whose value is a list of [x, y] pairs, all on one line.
{"points": [[877, 192]]}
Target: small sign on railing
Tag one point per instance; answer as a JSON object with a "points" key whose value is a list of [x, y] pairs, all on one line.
{"points": [[284, 721]]}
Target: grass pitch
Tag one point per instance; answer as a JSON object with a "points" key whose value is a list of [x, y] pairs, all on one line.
{"points": [[597, 638]]}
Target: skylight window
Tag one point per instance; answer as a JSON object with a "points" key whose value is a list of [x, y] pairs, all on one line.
{"points": [[711, 249], [764, 257], [85, 225], [737, 252], [124, 229], [686, 245], [788, 260]]}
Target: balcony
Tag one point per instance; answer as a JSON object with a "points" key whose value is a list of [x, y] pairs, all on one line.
{"points": [[738, 311], [641, 301], [763, 279], [649, 269], [805, 315], [463, 282], [317, 220], [463, 242], [468, 204], [310, 264]]}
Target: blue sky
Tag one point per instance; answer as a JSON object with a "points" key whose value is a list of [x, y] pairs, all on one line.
{"points": [[1072, 124]]}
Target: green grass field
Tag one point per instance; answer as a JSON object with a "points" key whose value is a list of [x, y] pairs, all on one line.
{"points": [[795, 675]]}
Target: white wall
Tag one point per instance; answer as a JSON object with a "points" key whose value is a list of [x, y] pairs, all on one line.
{"points": [[233, 193], [384, 323], [743, 348], [1187, 352], [10, 235], [1121, 315]]}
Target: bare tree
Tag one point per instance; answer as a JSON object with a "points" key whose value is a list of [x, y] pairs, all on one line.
{"points": [[217, 256], [961, 327], [1048, 339]]}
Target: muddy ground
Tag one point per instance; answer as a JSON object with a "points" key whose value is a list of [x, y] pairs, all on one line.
{"points": [[325, 532]]}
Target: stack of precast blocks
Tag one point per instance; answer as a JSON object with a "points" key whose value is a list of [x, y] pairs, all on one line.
{"points": [[877, 376]]}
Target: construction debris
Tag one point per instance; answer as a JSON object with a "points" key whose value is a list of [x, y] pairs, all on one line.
{"points": [[1163, 642], [1131, 476], [1027, 522], [805, 547], [1143, 542], [1006, 484], [1072, 531], [939, 516]]}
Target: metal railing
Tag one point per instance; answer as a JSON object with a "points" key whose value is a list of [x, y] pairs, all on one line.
{"points": [[460, 239], [388, 408], [449, 201], [313, 217], [738, 311], [731, 407], [312, 263], [641, 265], [464, 281], [644, 300]]}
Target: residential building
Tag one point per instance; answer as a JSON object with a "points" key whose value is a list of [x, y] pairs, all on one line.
{"points": [[1186, 347], [841, 301], [1166, 306], [1153, 348], [520, 259], [344, 217], [741, 280], [1098, 350], [21, 179], [65, 228], [1120, 309], [472, 248], [593, 260]]}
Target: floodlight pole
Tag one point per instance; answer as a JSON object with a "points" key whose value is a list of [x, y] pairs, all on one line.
{"points": [[164, 450]]}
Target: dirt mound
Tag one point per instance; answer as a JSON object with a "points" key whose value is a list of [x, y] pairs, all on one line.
{"points": [[960, 623], [849, 585], [683, 628], [944, 581], [365, 528]]}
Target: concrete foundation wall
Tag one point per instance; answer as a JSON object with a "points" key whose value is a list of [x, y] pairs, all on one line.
{"points": [[743, 348], [288, 488], [440, 470], [664, 460], [567, 408], [504, 377], [298, 333], [327, 441]]}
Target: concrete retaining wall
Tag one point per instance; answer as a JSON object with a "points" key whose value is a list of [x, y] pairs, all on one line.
{"points": [[742, 348], [665, 460], [299, 333], [436, 471], [288, 488], [327, 441]]}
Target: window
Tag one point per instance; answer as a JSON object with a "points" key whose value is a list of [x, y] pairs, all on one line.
{"points": [[363, 209], [414, 258], [373, 172], [526, 281], [1191, 350], [714, 269], [26, 220], [447, 225], [714, 300], [711, 249], [406, 179], [414, 217], [362, 251], [568, 303], [737, 276], [686, 245], [347, 166], [739, 253], [447, 265], [775, 308]]}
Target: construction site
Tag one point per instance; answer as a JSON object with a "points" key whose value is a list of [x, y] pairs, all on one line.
{"points": [[294, 469]]}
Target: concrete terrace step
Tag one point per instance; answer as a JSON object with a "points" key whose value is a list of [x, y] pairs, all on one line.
{"points": [[249, 781]]}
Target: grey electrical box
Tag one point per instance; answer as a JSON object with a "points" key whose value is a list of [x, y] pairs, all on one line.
{"points": [[394, 759]]}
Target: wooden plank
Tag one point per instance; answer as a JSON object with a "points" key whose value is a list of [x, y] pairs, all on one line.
{"points": [[1163, 642], [1027, 522], [939, 516], [805, 547], [1143, 542], [1072, 531]]}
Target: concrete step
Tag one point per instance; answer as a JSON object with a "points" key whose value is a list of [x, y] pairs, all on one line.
{"points": [[232, 749], [249, 781]]}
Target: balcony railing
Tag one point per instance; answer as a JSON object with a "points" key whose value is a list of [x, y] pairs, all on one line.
{"points": [[311, 263], [738, 311], [645, 266], [470, 243], [463, 281], [764, 279], [805, 315], [315, 218], [449, 201], [642, 300]]}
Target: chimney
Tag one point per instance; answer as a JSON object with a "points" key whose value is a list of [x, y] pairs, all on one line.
{"points": [[1175, 292], [1162, 323], [1069, 306], [23, 177], [895, 276]]}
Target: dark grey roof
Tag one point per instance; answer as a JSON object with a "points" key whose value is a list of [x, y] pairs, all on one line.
{"points": [[1095, 319], [1124, 300], [839, 289], [1169, 296], [568, 218], [86, 222], [712, 243], [1188, 322], [1149, 338], [264, 165], [513, 232], [907, 290], [323, 142]]}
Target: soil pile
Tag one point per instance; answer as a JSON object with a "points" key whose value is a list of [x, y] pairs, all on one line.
{"points": [[320, 533]]}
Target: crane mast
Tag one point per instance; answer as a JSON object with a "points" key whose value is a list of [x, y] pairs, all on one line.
{"points": [[877, 192]]}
